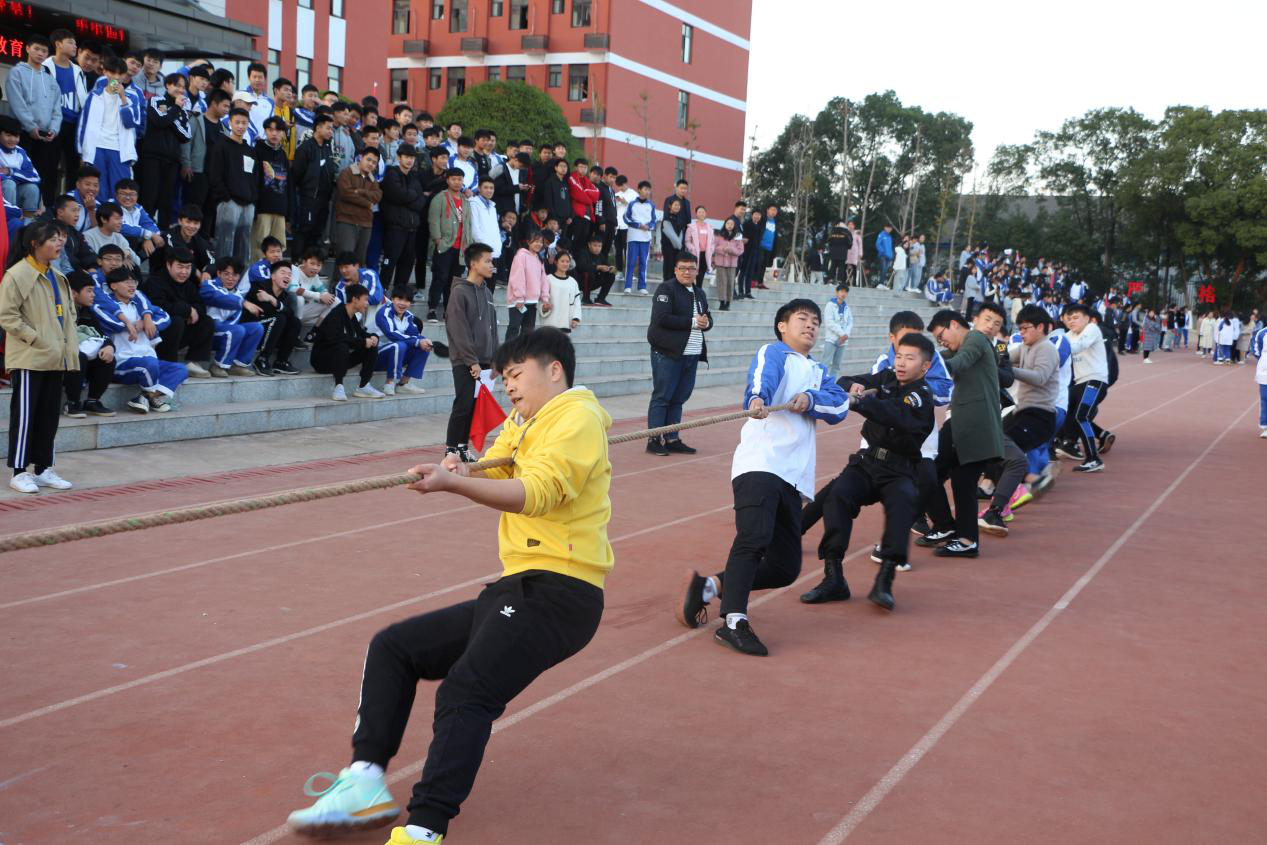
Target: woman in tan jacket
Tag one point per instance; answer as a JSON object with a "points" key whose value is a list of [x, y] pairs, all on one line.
{"points": [[356, 193], [37, 313]]}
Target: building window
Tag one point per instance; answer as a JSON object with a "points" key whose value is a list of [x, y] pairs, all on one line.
{"points": [[336, 8], [434, 79], [274, 64], [400, 85], [679, 169], [336, 78], [688, 36], [303, 72], [494, 74], [457, 16], [556, 7], [457, 82], [305, 4], [519, 14], [683, 109], [516, 73], [555, 77], [495, 8], [400, 17], [437, 10], [581, 12], [578, 82]]}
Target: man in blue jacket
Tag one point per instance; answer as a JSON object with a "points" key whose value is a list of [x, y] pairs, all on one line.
{"points": [[884, 252]]}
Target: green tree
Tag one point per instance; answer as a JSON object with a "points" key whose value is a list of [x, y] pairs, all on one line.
{"points": [[512, 110]]}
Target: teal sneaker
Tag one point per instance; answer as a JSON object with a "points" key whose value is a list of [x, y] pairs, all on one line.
{"points": [[353, 802]]}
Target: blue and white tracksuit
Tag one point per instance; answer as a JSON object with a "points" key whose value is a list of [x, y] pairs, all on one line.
{"points": [[938, 292], [21, 180], [233, 342], [398, 350], [137, 223], [135, 361], [365, 277], [939, 382], [114, 160], [259, 271], [470, 175], [640, 217], [783, 443], [1258, 348]]}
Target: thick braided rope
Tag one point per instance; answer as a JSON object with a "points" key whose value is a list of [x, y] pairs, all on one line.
{"points": [[86, 530]]}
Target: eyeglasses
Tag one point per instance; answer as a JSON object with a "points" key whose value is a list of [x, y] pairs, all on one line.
{"points": [[688, 268]]}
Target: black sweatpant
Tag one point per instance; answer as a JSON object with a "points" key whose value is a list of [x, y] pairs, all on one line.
{"points": [[337, 358], [96, 372], [596, 281], [35, 409], [444, 266], [463, 407], [179, 335], [422, 246], [485, 652], [622, 237], [925, 483], [311, 219], [281, 331], [158, 188], [963, 485], [766, 552], [68, 144], [866, 481], [397, 265], [47, 158], [521, 323]]}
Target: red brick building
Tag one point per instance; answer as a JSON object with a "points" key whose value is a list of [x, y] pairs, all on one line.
{"points": [[649, 85]]}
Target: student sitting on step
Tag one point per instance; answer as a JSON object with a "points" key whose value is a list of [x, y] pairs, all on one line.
{"points": [[309, 295], [402, 349], [134, 323], [235, 343]]}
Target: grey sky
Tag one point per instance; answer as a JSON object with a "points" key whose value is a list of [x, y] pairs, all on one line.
{"points": [[1048, 61]]}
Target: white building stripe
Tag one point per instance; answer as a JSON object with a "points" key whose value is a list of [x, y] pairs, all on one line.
{"points": [[698, 22], [658, 146], [497, 60]]}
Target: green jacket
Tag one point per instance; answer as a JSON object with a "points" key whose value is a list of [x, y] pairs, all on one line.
{"points": [[974, 403]]}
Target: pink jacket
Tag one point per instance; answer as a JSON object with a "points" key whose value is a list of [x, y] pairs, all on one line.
{"points": [[856, 249], [727, 252], [693, 245], [528, 281]]}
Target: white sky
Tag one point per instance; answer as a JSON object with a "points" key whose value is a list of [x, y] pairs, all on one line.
{"points": [[1030, 64]]}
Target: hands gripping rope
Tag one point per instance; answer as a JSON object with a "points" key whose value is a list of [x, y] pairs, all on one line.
{"points": [[104, 528]]}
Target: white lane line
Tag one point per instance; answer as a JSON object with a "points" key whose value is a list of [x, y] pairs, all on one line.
{"points": [[908, 761]]}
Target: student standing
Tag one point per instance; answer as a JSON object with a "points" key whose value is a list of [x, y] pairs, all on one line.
{"points": [[727, 253], [471, 323], [403, 206], [640, 220], [701, 241], [356, 194], [1258, 348], [108, 126], [1090, 379], [671, 237], [527, 288], [234, 189], [272, 208], [444, 223], [36, 100], [679, 318], [167, 131], [74, 90], [837, 327]]}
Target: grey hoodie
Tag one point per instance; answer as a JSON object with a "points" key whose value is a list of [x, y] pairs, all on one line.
{"points": [[35, 98]]}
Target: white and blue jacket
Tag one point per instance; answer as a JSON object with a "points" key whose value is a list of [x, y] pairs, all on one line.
{"points": [[109, 312], [939, 383], [938, 292], [1258, 348], [223, 305], [249, 136], [131, 120], [837, 321], [370, 280], [641, 218], [137, 223], [259, 271], [784, 443], [19, 165], [397, 329], [470, 177]]}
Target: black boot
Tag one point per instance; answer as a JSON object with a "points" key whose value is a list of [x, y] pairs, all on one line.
{"points": [[833, 587], [882, 592]]}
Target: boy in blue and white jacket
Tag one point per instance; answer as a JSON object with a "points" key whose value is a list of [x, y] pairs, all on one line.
{"points": [[235, 343], [640, 217], [837, 327], [772, 470], [113, 115], [352, 273], [402, 349], [134, 324], [262, 270], [1258, 348], [938, 289], [18, 176]]}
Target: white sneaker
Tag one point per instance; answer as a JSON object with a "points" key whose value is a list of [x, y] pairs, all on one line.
{"points": [[24, 482], [1148, 360], [197, 370], [881, 287], [643, 292], [339, 395], [410, 387], [389, 389], [1263, 434], [369, 391], [50, 478]]}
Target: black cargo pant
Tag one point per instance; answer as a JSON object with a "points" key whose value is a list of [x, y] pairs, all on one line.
{"points": [[487, 651], [180, 334], [866, 481], [766, 552]]}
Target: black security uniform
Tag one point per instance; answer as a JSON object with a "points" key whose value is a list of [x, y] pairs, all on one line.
{"points": [[898, 419]]}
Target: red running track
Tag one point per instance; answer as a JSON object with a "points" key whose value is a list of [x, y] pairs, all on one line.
{"points": [[1093, 677]]}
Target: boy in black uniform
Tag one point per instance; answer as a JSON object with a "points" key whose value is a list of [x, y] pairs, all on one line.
{"points": [[898, 406]]}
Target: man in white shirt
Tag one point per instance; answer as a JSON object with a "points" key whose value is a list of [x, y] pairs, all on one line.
{"points": [[480, 221], [624, 195]]}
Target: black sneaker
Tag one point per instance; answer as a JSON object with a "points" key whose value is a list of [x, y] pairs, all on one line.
{"points": [[983, 494], [694, 610], [934, 538], [678, 447], [656, 447], [1090, 466], [741, 638], [921, 527], [464, 454], [75, 410], [957, 548], [97, 408], [991, 522], [875, 554], [431, 316], [261, 367], [1105, 442], [1070, 452], [284, 368]]}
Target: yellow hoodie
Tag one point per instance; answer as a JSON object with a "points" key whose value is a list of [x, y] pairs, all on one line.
{"points": [[561, 458]]}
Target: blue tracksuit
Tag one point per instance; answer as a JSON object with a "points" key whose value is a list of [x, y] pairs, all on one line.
{"points": [[370, 280], [641, 218], [398, 350], [259, 271], [135, 361], [234, 342]]}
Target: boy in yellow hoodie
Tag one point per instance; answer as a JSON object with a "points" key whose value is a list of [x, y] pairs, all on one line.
{"points": [[545, 608]]}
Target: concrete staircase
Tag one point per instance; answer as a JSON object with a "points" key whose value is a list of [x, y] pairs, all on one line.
{"points": [[612, 360]]}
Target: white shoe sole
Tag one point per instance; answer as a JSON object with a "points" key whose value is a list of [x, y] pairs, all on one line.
{"points": [[19, 489], [336, 824], [359, 395]]}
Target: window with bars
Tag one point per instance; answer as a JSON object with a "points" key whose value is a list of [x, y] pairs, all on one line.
{"points": [[400, 85], [437, 10], [679, 169], [335, 80], [496, 8], [336, 8], [688, 39], [400, 17], [274, 64], [554, 76], [457, 16], [457, 82], [556, 7], [683, 109], [516, 73], [578, 82], [581, 12], [435, 79], [303, 72], [519, 14]]}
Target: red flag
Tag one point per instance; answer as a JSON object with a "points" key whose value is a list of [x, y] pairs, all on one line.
{"points": [[488, 414]]}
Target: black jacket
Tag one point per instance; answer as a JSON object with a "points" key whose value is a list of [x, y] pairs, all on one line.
{"points": [[404, 200], [199, 246], [176, 299], [504, 192], [673, 314], [231, 172], [554, 198], [166, 128], [683, 218], [839, 243], [313, 171], [606, 211], [337, 327], [899, 417], [273, 180]]}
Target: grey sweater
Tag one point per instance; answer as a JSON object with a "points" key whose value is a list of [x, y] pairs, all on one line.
{"points": [[471, 323], [1037, 371]]}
